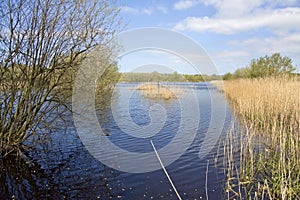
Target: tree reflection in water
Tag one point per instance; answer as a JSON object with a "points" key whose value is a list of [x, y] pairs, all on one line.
{"points": [[58, 167]]}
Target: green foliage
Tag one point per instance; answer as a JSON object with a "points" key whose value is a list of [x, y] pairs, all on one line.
{"points": [[108, 79], [228, 76], [174, 77], [212, 77], [194, 78], [105, 87], [151, 77], [274, 65], [42, 45], [242, 73]]}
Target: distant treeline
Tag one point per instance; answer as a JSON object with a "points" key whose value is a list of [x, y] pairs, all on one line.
{"points": [[274, 65], [167, 77]]}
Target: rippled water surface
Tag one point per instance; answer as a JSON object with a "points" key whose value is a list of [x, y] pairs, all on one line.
{"points": [[63, 168]]}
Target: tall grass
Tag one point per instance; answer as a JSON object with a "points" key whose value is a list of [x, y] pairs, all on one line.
{"points": [[263, 154]]}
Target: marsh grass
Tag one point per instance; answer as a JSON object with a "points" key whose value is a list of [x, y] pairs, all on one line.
{"points": [[155, 91], [262, 155]]}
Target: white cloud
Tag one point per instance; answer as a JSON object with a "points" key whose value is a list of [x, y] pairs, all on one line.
{"points": [[142, 11], [130, 10], [278, 20], [147, 11], [282, 3], [233, 16], [245, 50], [235, 8], [286, 44], [135, 11], [185, 4], [229, 56], [162, 9], [228, 60]]}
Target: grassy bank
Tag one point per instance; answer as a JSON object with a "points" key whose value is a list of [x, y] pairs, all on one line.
{"points": [[268, 142]]}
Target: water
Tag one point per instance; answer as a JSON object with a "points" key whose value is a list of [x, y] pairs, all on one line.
{"points": [[63, 168]]}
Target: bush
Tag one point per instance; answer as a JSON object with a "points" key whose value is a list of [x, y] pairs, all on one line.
{"points": [[267, 66], [271, 66]]}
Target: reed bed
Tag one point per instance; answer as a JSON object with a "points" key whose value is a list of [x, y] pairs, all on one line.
{"points": [[262, 155], [155, 91]]}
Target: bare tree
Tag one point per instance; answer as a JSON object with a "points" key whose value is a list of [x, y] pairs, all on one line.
{"points": [[41, 43]]}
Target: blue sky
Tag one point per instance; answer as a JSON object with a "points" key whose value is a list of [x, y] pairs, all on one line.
{"points": [[232, 32]]}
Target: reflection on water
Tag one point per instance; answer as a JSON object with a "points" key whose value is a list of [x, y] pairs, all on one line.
{"points": [[63, 168]]}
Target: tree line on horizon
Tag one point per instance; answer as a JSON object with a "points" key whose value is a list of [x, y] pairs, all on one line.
{"points": [[166, 77]]}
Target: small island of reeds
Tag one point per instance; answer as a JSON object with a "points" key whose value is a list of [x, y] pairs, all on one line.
{"points": [[158, 91]]}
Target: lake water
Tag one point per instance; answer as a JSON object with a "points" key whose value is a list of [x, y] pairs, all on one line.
{"points": [[62, 167]]}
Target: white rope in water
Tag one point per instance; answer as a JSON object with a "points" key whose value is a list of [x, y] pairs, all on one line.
{"points": [[162, 165], [206, 176]]}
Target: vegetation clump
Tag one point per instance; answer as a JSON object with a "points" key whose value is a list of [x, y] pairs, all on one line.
{"points": [[262, 155], [268, 142], [43, 44], [274, 65], [157, 91]]}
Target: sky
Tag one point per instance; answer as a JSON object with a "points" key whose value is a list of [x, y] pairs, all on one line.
{"points": [[231, 32]]}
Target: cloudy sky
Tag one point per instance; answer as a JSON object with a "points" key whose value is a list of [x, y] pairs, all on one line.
{"points": [[232, 32]]}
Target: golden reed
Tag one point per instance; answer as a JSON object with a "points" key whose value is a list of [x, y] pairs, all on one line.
{"points": [[155, 91], [263, 154]]}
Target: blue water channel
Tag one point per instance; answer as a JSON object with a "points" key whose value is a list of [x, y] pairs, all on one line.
{"points": [[63, 168]]}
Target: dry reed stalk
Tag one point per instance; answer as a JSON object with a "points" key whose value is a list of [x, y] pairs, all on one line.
{"points": [[269, 112]]}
